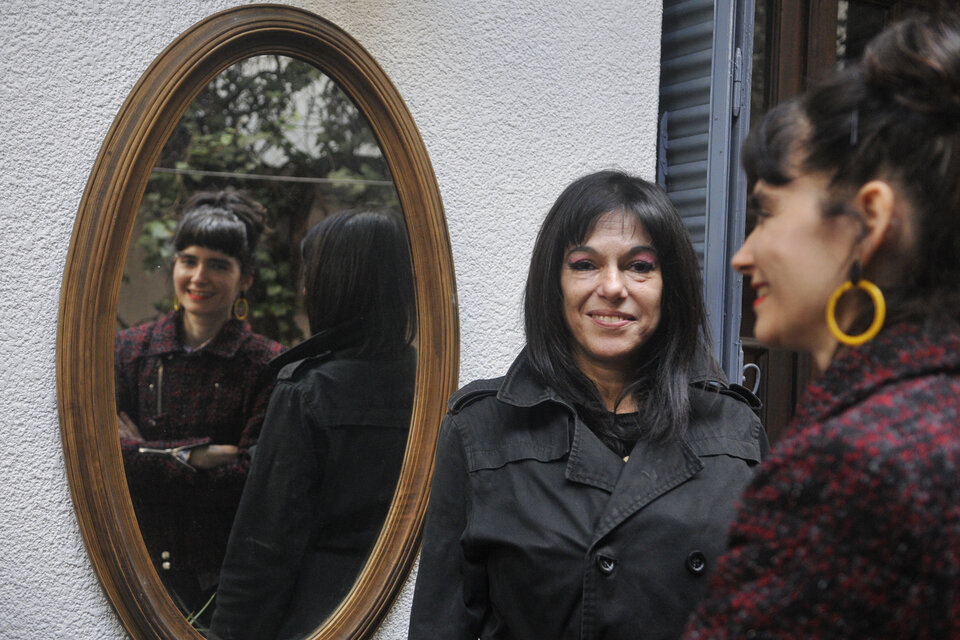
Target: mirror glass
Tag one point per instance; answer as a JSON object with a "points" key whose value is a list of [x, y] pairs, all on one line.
{"points": [[279, 130]]}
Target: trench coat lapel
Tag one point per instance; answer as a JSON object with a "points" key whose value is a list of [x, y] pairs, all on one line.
{"points": [[591, 462], [652, 470]]}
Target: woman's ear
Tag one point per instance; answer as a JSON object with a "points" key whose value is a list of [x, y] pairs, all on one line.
{"points": [[876, 202], [246, 281]]}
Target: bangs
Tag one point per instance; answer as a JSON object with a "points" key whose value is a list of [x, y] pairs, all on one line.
{"points": [[213, 229], [769, 152]]}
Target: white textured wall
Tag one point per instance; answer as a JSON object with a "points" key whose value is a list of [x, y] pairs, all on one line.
{"points": [[514, 100]]}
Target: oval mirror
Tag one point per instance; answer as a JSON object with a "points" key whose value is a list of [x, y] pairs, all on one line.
{"points": [[329, 132]]}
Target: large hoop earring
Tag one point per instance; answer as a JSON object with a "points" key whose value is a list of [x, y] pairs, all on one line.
{"points": [[879, 312], [240, 308]]}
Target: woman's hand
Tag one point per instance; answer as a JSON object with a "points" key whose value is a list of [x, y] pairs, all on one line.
{"points": [[210, 456], [128, 429]]}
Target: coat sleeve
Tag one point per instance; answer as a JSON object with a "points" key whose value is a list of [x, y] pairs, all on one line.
{"points": [[450, 597], [273, 523]]}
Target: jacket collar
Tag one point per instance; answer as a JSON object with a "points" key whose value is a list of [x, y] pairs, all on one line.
{"points": [[167, 337], [651, 469], [521, 388], [341, 337], [902, 351]]}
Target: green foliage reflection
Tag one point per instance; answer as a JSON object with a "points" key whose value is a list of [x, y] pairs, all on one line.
{"points": [[282, 130]]}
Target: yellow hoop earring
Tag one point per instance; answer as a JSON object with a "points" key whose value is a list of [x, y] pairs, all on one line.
{"points": [[879, 313], [240, 308]]}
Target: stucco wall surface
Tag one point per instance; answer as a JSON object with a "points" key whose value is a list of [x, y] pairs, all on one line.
{"points": [[513, 99]]}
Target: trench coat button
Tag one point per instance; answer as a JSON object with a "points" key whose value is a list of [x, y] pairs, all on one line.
{"points": [[165, 555], [166, 566], [606, 565], [696, 562]]}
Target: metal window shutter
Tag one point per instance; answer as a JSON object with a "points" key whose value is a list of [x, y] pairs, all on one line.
{"points": [[702, 75]]}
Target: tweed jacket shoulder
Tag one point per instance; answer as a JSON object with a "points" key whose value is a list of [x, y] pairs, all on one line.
{"points": [[852, 528]]}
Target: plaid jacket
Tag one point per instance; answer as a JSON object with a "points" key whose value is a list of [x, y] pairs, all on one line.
{"points": [[851, 528], [217, 394]]}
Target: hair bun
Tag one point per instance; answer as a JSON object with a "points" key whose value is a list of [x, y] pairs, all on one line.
{"points": [[916, 63], [237, 202]]}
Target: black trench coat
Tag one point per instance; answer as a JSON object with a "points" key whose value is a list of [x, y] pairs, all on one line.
{"points": [[536, 529], [323, 475]]}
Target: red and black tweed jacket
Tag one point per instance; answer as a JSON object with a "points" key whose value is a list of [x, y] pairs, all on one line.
{"points": [[217, 394], [851, 529]]}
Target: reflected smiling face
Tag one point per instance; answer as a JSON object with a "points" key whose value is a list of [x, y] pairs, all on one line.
{"points": [[612, 287], [207, 281]]}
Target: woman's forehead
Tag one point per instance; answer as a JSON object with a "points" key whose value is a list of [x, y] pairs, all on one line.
{"points": [[620, 223]]}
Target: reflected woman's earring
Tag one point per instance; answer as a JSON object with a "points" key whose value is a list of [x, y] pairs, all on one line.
{"points": [[240, 308], [879, 309], [176, 303]]}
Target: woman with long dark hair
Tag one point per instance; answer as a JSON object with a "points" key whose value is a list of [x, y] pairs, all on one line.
{"points": [[852, 528], [192, 389], [587, 493], [329, 457]]}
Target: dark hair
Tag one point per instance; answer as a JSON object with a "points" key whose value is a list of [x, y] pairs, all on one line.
{"points": [[229, 221], [669, 358], [894, 116], [356, 270]]}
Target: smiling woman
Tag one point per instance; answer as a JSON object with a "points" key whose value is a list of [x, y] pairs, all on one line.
{"points": [[611, 300], [600, 443], [794, 259], [192, 389]]}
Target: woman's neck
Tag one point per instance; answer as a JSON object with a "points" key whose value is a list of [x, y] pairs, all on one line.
{"points": [[197, 330], [610, 384]]}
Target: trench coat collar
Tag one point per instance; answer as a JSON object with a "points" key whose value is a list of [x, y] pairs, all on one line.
{"points": [[651, 470], [339, 338], [521, 387], [167, 337]]}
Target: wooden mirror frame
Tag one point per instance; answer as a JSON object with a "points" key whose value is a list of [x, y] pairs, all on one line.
{"points": [[91, 286]]}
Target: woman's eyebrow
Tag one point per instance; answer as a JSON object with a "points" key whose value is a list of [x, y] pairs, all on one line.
{"points": [[640, 248]]}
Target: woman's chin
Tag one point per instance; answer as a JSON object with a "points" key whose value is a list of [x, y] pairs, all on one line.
{"points": [[768, 336]]}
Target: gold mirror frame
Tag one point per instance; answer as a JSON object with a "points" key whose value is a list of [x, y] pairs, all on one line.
{"points": [[91, 286]]}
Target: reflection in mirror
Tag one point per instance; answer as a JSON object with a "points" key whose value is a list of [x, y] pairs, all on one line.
{"points": [[332, 443], [204, 306]]}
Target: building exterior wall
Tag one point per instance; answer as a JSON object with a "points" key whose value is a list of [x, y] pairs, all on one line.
{"points": [[513, 100]]}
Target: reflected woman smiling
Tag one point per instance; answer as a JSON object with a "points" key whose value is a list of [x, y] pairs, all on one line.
{"points": [[192, 389]]}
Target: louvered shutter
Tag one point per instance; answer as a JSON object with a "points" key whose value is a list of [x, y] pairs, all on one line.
{"points": [[703, 117]]}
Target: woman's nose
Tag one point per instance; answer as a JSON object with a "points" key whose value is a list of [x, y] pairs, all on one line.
{"points": [[199, 273], [742, 260], [611, 284]]}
